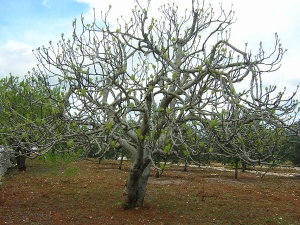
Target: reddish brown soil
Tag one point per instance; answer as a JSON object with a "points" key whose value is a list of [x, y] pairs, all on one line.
{"points": [[92, 194]]}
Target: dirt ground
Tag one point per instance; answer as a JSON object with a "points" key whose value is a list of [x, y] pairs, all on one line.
{"points": [[87, 192]]}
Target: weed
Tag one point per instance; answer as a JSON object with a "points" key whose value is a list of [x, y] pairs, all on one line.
{"points": [[70, 171], [268, 219], [125, 206]]}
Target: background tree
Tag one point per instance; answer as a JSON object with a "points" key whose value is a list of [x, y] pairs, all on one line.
{"points": [[27, 110], [140, 85], [290, 151], [256, 143], [293, 153], [16, 102]]}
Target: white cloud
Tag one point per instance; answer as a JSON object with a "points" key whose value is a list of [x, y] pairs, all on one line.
{"points": [[16, 58], [256, 21], [46, 4]]}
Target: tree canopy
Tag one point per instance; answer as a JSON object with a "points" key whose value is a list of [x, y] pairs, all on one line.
{"points": [[162, 86]]}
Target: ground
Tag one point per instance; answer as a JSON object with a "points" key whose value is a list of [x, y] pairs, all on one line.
{"points": [[87, 192]]}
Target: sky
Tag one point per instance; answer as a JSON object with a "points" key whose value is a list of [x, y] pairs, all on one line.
{"points": [[28, 24]]}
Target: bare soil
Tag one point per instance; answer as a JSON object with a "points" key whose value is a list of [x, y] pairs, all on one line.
{"points": [[87, 192]]}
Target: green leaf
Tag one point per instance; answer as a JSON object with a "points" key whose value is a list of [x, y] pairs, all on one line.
{"points": [[160, 109], [112, 144], [259, 141], [109, 126], [24, 135], [168, 110], [83, 92], [167, 149], [70, 143], [167, 141], [138, 132], [174, 75], [186, 153], [213, 123], [211, 149], [38, 121]]}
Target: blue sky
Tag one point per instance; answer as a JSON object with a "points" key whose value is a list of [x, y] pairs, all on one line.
{"points": [[28, 24], [20, 19]]}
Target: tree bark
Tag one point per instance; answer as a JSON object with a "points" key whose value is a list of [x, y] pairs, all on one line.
{"points": [[20, 153], [244, 166], [121, 161], [236, 162], [157, 174], [185, 165], [135, 186], [21, 162]]}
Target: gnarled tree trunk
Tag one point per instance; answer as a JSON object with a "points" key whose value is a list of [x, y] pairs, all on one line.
{"points": [[135, 186]]}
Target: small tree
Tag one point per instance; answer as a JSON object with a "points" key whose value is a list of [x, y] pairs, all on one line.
{"points": [[25, 106], [256, 143], [140, 85], [290, 150]]}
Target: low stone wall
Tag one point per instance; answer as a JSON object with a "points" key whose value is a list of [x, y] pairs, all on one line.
{"points": [[5, 156]]}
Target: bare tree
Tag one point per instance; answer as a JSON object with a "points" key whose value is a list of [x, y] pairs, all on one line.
{"points": [[140, 85]]}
